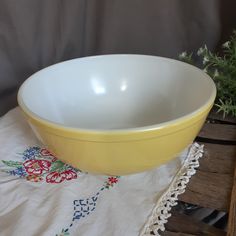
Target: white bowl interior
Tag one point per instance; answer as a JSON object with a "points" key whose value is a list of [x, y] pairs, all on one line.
{"points": [[116, 91]]}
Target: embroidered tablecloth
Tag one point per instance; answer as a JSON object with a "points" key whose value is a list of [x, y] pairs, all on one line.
{"points": [[40, 195]]}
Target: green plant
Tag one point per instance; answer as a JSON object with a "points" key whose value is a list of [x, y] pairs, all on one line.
{"points": [[222, 69]]}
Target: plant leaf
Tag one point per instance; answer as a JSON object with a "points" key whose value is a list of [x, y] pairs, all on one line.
{"points": [[12, 163], [57, 165]]}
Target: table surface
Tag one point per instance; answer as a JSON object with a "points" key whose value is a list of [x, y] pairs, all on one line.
{"points": [[213, 186]]}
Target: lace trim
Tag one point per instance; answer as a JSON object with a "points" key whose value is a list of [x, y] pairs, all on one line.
{"points": [[161, 212]]}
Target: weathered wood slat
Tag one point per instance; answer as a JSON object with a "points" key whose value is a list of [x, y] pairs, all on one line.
{"points": [[218, 159], [210, 190], [218, 132], [211, 187], [219, 116], [168, 233], [232, 210], [180, 223]]}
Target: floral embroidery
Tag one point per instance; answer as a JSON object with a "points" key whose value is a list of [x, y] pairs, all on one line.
{"points": [[83, 207], [31, 153], [70, 174], [34, 178], [19, 171], [37, 167], [57, 177], [39, 164], [45, 152], [112, 180]]}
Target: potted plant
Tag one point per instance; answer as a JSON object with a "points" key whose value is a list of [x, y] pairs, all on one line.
{"points": [[222, 69]]}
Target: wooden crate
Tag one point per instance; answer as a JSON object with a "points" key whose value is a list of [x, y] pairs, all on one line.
{"points": [[214, 185]]}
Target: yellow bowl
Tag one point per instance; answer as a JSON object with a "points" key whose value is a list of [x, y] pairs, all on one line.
{"points": [[117, 114]]}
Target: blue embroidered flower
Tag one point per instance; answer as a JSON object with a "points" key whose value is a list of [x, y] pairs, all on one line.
{"points": [[19, 171], [31, 153], [39, 164]]}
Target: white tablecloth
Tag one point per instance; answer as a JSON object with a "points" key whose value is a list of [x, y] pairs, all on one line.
{"points": [[40, 195]]}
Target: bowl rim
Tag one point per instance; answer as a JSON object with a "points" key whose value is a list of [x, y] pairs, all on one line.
{"points": [[158, 126]]}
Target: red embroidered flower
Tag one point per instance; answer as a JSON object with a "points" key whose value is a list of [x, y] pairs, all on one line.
{"points": [[46, 152], [70, 174], [36, 167], [57, 177], [112, 180], [34, 178]]}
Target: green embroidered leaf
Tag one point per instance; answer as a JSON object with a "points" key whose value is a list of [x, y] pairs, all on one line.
{"points": [[64, 232], [4, 171], [57, 165], [12, 163]]}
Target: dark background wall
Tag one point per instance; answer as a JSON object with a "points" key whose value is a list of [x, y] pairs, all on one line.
{"points": [[35, 34]]}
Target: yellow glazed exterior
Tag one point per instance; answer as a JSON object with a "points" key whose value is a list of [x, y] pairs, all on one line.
{"points": [[119, 152], [102, 79]]}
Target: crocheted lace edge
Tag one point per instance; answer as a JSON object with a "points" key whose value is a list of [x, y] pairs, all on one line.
{"points": [[161, 212]]}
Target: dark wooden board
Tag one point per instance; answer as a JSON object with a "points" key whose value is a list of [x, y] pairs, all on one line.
{"points": [[218, 159], [232, 210], [218, 132], [168, 233], [183, 225], [210, 190], [214, 184], [219, 116]]}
